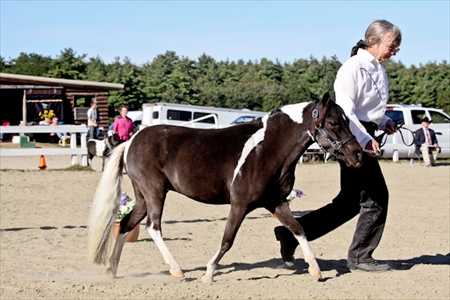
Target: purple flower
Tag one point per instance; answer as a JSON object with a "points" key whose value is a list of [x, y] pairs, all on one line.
{"points": [[123, 199], [299, 193]]}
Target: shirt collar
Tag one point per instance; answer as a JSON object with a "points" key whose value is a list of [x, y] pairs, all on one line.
{"points": [[366, 54]]}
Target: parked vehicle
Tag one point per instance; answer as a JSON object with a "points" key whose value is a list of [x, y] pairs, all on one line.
{"points": [[192, 115], [245, 119], [136, 117], [411, 115]]}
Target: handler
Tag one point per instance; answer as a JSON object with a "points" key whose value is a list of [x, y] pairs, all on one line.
{"points": [[361, 88]]}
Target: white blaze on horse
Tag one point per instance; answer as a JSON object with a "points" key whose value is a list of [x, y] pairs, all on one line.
{"points": [[247, 166], [102, 148]]}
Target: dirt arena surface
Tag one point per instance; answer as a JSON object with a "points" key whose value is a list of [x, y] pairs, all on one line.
{"points": [[44, 241]]}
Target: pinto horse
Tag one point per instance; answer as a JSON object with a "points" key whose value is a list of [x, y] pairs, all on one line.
{"points": [[247, 166], [102, 148]]}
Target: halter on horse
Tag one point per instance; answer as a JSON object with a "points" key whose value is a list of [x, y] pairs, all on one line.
{"points": [[247, 166]]}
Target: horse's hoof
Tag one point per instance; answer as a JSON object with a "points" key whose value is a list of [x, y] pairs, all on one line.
{"points": [[177, 274], [314, 272], [206, 279], [110, 273]]}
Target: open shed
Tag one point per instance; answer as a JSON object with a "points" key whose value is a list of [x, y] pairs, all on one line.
{"points": [[22, 97]]}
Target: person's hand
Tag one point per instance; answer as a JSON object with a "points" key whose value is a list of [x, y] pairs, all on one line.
{"points": [[390, 127], [372, 148]]}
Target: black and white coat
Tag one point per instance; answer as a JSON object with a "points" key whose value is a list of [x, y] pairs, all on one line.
{"points": [[102, 148]]}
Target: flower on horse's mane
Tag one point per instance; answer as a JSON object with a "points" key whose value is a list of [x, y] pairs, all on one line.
{"points": [[295, 194], [126, 205]]}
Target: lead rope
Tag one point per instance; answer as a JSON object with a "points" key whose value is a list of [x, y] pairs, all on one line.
{"points": [[382, 138]]}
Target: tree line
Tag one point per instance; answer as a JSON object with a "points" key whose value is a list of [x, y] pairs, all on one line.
{"points": [[257, 85]]}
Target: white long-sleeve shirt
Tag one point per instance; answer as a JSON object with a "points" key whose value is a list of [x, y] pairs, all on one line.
{"points": [[361, 88]]}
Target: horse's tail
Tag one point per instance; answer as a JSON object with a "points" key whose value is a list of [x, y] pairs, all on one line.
{"points": [[105, 207]]}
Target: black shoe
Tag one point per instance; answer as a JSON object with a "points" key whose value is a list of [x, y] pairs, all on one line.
{"points": [[368, 267], [287, 250]]}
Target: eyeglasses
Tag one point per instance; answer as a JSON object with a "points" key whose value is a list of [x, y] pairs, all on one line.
{"points": [[392, 49]]}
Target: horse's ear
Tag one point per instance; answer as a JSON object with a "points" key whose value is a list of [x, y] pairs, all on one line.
{"points": [[325, 98]]}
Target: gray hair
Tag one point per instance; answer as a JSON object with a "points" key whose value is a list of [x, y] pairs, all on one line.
{"points": [[375, 32], [377, 29]]}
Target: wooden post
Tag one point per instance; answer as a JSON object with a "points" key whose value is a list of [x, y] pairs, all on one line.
{"points": [[24, 110], [84, 158], [73, 145]]}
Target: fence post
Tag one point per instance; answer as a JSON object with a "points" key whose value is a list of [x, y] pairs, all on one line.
{"points": [[73, 144], [84, 161]]}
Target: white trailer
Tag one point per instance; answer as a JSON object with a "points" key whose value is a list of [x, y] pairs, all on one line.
{"points": [[192, 115]]}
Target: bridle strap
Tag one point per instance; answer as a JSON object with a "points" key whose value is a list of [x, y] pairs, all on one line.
{"points": [[337, 145]]}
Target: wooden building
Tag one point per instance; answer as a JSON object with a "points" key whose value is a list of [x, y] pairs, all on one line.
{"points": [[22, 97]]}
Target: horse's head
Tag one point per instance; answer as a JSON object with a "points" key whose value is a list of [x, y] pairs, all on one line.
{"points": [[113, 141], [331, 131]]}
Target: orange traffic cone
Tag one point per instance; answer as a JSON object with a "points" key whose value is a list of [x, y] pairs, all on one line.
{"points": [[42, 164]]}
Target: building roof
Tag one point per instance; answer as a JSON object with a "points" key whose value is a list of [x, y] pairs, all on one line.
{"points": [[27, 81]]}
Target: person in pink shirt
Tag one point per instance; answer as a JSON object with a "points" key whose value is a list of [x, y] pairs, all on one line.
{"points": [[123, 125]]}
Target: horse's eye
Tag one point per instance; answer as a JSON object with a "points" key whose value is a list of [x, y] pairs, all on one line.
{"points": [[334, 123]]}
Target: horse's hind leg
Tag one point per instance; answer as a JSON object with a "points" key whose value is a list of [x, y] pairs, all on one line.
{"points": [[153, 226], [175, 268], [286, 218], [115, 256], [128, 223]]}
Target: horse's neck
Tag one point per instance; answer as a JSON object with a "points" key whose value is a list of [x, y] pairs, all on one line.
{"points": [[301, 146]]}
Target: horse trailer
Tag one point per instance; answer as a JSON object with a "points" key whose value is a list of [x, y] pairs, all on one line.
{"points": [[192, 115]]}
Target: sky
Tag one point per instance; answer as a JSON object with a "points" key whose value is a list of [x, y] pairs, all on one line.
{"points": [[225, 30]]}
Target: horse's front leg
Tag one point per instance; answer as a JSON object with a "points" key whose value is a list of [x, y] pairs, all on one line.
{"points": [[284, 215], [235, 218]]}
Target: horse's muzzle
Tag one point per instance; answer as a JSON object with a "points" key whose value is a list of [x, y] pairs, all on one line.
{"points": [[354, 161]]}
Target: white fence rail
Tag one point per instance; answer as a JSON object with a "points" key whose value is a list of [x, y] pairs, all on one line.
{"points": [[71, 129]]}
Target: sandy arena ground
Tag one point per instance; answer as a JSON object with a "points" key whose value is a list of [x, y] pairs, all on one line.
{"points": [[44, 239]]}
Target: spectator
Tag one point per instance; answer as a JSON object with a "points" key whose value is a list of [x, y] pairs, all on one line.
{"points": [[123, 126], [55, 123], [426, 142], [92, 121]]}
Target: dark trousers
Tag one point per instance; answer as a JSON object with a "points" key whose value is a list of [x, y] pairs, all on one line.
{"points": [[363, 191]]}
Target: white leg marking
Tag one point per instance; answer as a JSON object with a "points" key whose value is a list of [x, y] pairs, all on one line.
{"points": [[313, 269], [210, 268], [175, 268], [307, 252]]}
